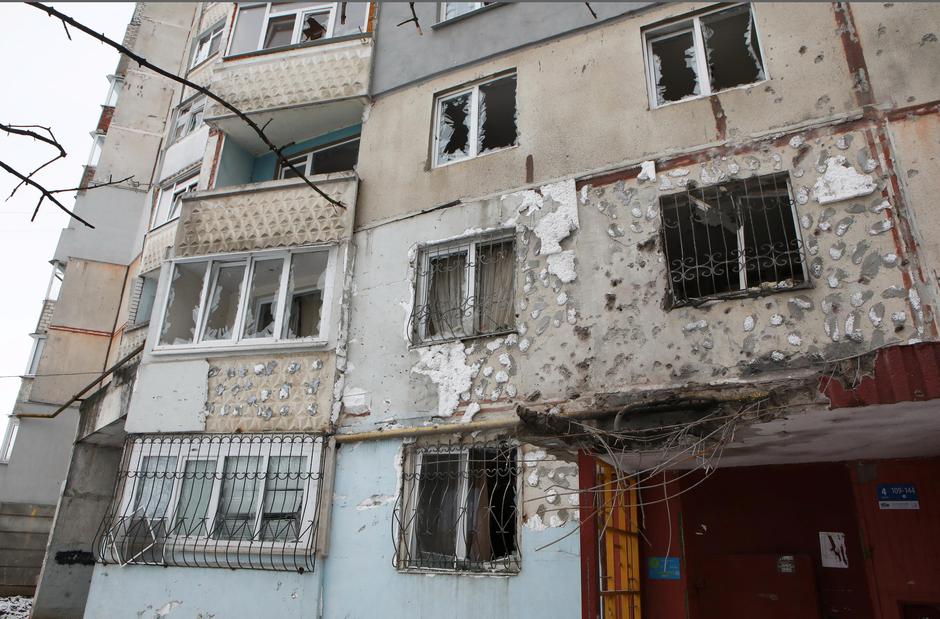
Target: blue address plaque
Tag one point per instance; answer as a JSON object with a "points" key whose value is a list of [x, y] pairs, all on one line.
{"points": [[897, 496], [662, 568]]}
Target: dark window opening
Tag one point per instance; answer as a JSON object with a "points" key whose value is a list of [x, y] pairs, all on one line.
{"points": [[731, 48], [339, 158], [675, 67], [314, 26], [497, 115], [454, 129], [731, 237], [461, 509]]}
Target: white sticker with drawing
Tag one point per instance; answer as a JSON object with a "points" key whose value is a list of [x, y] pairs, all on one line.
{"points": [[833, 551]]}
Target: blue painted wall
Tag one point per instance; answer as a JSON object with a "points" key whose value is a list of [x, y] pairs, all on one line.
{"points": [[142, 590], [360, 580], [238, 167]]}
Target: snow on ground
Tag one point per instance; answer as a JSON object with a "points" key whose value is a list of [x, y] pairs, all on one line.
{"points": [[17, 607]]}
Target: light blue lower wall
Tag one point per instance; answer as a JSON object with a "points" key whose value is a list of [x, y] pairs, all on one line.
{"points": [[361, 582], [142, 591]]}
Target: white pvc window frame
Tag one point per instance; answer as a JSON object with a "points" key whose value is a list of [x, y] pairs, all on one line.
{"points": [[203, 48], [476, 7], [114, 90], [97, 145], [308, 158], [217, 450], [168, 210], [238, 338], [9, 439], [474, 120], [271, 13], [693, 24], [39, 345], [189, 115]]}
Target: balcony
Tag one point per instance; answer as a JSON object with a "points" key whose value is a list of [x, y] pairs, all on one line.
{"points": [[268, 215], [307, 89], [156, 244]]}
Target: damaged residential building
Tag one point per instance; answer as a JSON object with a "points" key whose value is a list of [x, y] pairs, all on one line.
{"points": [[595, 310]]}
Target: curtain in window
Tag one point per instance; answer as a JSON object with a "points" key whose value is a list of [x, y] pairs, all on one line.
{"points": [[479, 541], [494, 273], [446, 295]]}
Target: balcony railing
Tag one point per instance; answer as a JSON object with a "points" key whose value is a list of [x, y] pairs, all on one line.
{"points": [[314, 89], [286, 213]]}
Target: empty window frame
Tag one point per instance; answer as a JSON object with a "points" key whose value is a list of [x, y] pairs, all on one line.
{"points": [[476, 120], [339, 157], [730, 238], [170, 202], [97, 144], [278, 24], [236, 501], [458, 509], [248, 299], [465, 288], [450, 10], [146, 295], [207, 45], [188, 117], [39, 345], [114, 91], [703, 54]]}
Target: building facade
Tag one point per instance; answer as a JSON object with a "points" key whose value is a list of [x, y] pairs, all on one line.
{"points": [[611, 310]]}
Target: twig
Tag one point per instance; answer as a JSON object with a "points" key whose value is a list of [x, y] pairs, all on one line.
{"points": [[51, 140], [588, 5], [414, 18], [96, 186], [143, 62]]}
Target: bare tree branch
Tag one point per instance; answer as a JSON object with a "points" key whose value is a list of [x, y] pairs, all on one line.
{"points": [[24, 130], [143, 62], [588, 5], [414, 18], [109, 183], [46, 194]]}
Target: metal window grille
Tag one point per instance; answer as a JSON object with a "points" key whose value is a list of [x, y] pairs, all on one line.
{"points": [[458, 509], [223, 500], [732, 239], [465, 289]]}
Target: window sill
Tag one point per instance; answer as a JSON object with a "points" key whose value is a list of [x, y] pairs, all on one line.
{"points": [[503, 572], [164, 224], [466, 338], [654, 107], [453, 20], [480, 156], [755, 292], [237, 349]]}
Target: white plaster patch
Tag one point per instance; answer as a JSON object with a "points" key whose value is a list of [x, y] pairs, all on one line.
{"points": [[166, 609], [748, 324], [698, 325], [776, 320], [535, 523], [532, 458], [561, 265], [647, 171], [376, 500], [841, 181], [794, 340], [554, 227], [533, 478], [447, 368], [796, 141], [502, 377], [505, 360], [524, 344]]}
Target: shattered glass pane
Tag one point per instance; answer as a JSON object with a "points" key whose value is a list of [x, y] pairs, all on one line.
{"points": [[223, 302], [455, 9], [262, 298], [497, 114], [453, 128], [235, 516], [305, 294], [179, 323], [280, 32], [314, 26], [339, 158], [674, 67], [731, 48]]}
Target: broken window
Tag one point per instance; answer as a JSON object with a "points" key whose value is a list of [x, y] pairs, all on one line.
{"points": [[458, 509], [188, 118], [279, 24], [245, 500], [450, 10], [339, 157], [170, 203], [702, 55], [207, 45], [732, 237], [146, 295], [244, 297], [476, 121], [465, 288]]}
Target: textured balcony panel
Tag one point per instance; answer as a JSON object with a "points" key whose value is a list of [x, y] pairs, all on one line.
{"points": [[296, 77], [155, 247], [266, 216]]}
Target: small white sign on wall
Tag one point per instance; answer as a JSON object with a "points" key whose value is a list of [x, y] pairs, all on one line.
{"points": [[833, 551]]}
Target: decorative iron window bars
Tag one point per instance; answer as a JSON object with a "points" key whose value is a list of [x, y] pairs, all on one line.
{"points": [[222, 500], [732, 239], [458, 509], [464, 288]]}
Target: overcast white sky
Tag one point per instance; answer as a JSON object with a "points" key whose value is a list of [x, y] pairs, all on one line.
{"points": [[50, 81]]}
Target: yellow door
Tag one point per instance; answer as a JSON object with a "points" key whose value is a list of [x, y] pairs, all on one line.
{"points": [[619, 546]]}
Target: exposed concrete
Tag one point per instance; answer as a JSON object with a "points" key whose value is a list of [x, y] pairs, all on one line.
{"points": [[67, 568]]}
